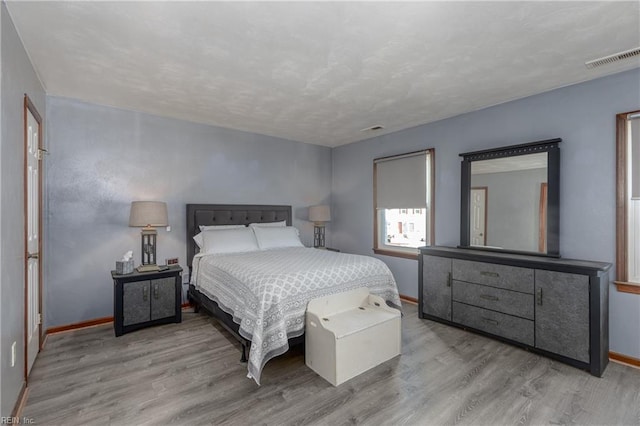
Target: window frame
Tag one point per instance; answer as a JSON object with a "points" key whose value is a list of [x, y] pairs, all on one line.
{"points": [[622, 206], [406, 253]]}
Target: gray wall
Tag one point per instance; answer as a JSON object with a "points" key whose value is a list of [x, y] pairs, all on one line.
{"points": [[18, 78], [513, 204], [582, 115], [103, 158]]}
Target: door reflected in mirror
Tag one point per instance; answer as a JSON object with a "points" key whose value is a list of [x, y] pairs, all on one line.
{"points": [[508, 203]]}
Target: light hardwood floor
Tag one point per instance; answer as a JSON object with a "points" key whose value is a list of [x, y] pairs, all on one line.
{"points": [[190, 373]]}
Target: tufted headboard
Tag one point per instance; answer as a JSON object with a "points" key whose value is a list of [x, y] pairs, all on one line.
{"points": [[229, 214]]}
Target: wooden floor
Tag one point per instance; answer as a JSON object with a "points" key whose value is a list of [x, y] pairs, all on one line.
{"points": [[190, 373]]}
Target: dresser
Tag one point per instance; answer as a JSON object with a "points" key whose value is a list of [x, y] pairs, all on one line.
{"points": [[142, 299], [555, 307]]}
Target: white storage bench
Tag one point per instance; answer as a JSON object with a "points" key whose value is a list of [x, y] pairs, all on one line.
{"points": [[349, 333]]}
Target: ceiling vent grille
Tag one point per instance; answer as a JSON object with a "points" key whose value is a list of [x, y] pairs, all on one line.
{"points": [[613, 58]]}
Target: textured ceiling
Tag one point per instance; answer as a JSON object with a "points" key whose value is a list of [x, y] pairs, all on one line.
{"points": [[319, 72]]}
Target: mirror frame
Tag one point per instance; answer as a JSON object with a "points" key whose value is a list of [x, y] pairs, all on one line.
{"points": [[553, 192]]}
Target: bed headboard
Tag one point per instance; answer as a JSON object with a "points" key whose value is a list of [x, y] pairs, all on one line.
{"points": [[229, 214]]}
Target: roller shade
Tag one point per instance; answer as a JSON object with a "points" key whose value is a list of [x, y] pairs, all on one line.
{"points": [[634, 158], [401, 182]]}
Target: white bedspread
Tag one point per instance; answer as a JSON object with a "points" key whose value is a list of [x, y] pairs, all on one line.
{"points": [[267, 291]]}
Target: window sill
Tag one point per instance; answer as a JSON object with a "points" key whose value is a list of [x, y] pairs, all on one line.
{"points": [[624, 287], [392, 253]]}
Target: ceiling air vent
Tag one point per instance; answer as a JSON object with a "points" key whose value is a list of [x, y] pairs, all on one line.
{"points": [[613, 58], [373, 128]]}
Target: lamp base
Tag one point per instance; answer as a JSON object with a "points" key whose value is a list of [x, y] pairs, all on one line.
{"points": [[318, 236], [148, 268]]}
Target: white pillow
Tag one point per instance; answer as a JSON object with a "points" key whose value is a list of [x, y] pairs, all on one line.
{"points": [[219, 227], [229, 241], [199, 239], [277, 237], [268, 224]]}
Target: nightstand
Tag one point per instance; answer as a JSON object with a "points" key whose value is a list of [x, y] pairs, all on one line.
{"points": [[142, 299]]}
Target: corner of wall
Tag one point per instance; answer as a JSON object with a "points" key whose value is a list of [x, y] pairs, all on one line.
{"points": [[17, 77], [1, 348]]}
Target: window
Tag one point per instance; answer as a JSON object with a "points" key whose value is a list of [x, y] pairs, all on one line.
{"points": [[628, 203], [403, 203]]}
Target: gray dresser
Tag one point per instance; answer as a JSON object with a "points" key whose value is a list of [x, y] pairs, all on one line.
{"points": [[556, 307]]}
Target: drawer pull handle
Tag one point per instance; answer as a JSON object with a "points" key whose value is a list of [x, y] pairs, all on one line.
{"points": [[155, 291], [145, 293], [539, 297], [449, 279], [490, 274], [489, 297], [491, 321]]}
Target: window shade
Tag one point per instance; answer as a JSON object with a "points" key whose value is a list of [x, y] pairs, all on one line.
{"points": [[634, 163], [401, 182]]}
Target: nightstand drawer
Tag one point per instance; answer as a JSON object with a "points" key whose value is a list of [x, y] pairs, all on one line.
{"points": [[495, 275], [496, 299], [163, 298], [507, 326], [135, 302]]}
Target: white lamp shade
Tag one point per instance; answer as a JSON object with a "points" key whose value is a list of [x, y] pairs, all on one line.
{"points": [[319, 214], [148, 213]]}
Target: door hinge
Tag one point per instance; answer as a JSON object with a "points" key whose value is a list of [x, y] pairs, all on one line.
{"points": [[39, 319], [41, 153]]}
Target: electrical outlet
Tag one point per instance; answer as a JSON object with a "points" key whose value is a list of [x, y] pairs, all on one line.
{"points": [[172, 261], [13, 354]]}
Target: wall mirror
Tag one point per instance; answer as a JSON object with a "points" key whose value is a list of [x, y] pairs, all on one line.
{"points": [[510, 199]]}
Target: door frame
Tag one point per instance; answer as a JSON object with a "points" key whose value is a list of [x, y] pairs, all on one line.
{"points": [[542, 218], [29, 107]]}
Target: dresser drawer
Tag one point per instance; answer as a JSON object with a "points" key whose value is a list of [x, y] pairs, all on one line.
{"points": [[507, 326], [502, 276], [496, 299]]}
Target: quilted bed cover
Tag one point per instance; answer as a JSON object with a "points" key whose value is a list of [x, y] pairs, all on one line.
{"points": [[267, 291]]}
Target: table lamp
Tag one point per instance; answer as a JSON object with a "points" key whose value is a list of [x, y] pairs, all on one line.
{"points": [[148, 214], [319, 215]]}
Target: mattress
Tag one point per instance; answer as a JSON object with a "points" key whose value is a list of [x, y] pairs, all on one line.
{"points": [[267, 291]]}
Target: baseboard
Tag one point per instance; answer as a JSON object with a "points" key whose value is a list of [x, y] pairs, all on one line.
{"points": [[614, 356], [90, 323], [83, 324], [409, 299], [22, 399]]}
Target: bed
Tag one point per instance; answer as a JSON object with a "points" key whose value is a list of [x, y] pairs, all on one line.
{"points": [[260, 296]]}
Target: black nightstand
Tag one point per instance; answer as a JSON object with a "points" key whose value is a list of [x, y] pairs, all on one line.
{"points": [[142, 299]]}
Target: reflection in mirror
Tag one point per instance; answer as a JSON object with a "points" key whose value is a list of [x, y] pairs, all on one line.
{"points": [[510, 199], [508, 203]]}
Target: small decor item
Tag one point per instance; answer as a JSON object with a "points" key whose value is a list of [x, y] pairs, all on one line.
{"points": [[319, 215], [148, 214], [125, 266]]}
